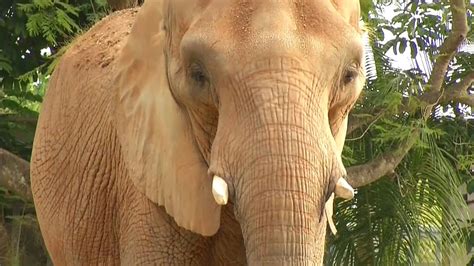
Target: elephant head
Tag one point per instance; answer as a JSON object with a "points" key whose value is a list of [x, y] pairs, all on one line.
{"points": [[245, 101]]}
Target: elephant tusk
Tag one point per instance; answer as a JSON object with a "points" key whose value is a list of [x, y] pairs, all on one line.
{"points": [[220, 190], [343, 189], [328, 208]]}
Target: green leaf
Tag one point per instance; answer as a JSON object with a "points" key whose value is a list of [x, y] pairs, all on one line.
{"points": [[6, 66], [414, 5], [402, 45], [413, 50], [10, 104], [411, 27], [470, 187], [43, 3], [420, 43]]}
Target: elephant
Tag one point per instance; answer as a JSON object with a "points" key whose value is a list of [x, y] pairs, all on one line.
{"points": [[199, 132]]}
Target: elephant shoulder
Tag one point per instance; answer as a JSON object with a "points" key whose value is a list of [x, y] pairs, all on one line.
{"points": [[88, 63], [101, 44], [78, 94], [85, 72]]}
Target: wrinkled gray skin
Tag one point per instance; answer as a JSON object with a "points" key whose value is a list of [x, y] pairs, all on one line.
{"points": [[134, 126]]}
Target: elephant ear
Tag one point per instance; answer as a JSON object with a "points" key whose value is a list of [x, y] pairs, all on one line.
{"points": [[350, 10], [155, 137]]}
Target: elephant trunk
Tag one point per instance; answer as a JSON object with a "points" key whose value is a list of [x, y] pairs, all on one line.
{"points": [[275, 147], [280, 199]]}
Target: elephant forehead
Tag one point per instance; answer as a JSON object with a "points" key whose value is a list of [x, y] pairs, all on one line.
{"points": [[270, 24], [307, 14]]}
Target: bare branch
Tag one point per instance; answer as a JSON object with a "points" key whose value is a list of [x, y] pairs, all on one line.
{"points": [[450, 45], [356, 123], [19, 119], [459, 91], [359, 122], [15, 174], [385, 164]]}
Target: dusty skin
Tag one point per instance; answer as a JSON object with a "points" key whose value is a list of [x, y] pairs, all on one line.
{"points": [[147, 107]]}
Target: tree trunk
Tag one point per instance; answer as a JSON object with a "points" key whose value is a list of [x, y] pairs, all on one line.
{"points": [[15, 175], [4, 246]]}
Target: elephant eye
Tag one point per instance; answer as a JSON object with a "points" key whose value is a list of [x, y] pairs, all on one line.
{"points": [[350, 75], [198, 75]]}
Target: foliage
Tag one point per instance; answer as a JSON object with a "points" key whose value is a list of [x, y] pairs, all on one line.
{"points": [[50, 19], [417, 214], [32, 33], [30, 30], [413, 216]]}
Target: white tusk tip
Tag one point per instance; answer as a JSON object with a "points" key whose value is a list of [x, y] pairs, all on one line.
{"points": [[220, 190], [344, 190]]}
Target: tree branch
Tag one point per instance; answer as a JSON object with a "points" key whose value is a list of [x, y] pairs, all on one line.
{"points": [[359, 122], [382, 165], [15, 174], [4, 245], [356, 123], [459, 92], [450, 45], [19, 119], [386, 163]]}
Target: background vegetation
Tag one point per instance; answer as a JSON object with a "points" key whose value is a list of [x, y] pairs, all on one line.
{"points": [[410, 140], [32, 35]]}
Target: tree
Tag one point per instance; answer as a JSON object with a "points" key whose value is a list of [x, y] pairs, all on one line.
{"points": [[410, 140]]}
